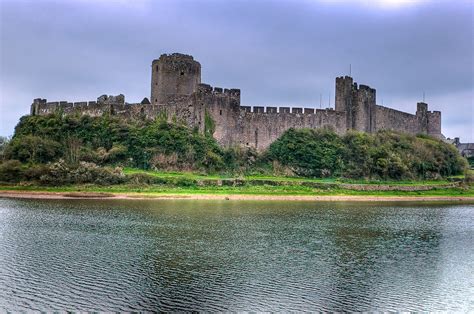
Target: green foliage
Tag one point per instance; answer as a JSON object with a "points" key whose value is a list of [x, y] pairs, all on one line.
{"points": [[3, 146], [383, 155], [60, 173], [209, 124], [110, 140], [470, 160], [11, 171], [33, 149], [312, 153]]}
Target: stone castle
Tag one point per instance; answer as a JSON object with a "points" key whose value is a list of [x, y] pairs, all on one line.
{"points": [[178, 94]]}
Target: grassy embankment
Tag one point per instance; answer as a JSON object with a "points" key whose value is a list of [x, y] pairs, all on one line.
{"points": [[258, 185]]}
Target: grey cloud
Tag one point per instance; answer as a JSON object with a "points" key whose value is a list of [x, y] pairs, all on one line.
{"points": [[277, 52]]}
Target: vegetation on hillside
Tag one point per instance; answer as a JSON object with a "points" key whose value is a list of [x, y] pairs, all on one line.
{"points": [[386, 155], [58, 150]]}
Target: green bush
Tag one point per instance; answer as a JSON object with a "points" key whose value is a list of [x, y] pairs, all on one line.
{"points": [[110, 140], [11, 171], [60, 173], [33, 149], [383, 155], [470, 160], [3, 145], [313, 153]]}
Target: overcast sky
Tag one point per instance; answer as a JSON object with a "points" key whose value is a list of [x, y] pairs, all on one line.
{"points": [[276, 52]]}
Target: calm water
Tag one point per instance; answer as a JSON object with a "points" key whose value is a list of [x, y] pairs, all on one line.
{"points": [[200, 255]]}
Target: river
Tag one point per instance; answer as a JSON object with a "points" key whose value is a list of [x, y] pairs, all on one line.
{"points": [[131, 255]]}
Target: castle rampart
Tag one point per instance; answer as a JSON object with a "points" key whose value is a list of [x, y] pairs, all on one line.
{"points": [[178, 94]]}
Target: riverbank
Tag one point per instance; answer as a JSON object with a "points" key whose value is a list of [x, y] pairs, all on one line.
{"points": [[363, 197]]}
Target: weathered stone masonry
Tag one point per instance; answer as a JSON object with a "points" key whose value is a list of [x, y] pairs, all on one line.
{"points": [[177, 93]]}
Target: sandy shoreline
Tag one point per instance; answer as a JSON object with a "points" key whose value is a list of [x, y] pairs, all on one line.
{"points": [[137, 196]]}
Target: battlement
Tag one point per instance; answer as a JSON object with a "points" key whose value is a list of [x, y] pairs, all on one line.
{"points": [[208, 89], [283, 110], [102, 104], [174, 56]]}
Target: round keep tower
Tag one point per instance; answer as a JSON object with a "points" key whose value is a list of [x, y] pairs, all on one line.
{"points": [[174, 75]]}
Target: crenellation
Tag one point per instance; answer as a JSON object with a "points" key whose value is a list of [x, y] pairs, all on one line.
{"points": [[178, 94], [204, 88]]}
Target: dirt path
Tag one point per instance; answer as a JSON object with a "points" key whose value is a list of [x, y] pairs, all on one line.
{"points": [[137, 196]]}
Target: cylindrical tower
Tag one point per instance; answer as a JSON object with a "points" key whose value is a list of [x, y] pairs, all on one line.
{"points": [[172, 76]]}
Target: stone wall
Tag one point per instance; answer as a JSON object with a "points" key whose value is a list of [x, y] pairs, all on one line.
{"points": [[260, 129], [391, 119], [114, 105], [256, 126]]}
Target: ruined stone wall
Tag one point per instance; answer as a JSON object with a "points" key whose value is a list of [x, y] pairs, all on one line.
{"points": [[423, 122], [391, 119], [259, 129], [257, 126], [222, 108], [113, 105], [362, 113]]}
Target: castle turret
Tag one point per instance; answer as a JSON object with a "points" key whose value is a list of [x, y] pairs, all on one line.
{"points": [[364, 112], [172, 76], [343, 93], [422, 116], [357, 102]]}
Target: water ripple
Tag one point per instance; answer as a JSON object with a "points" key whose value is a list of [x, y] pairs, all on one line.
{"points": [[222, 256]]}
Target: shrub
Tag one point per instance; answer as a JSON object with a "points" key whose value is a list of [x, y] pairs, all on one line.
{"points": [[385, 155], [3, 145], [60, 173], [309, 152], [11, 171], [33, 149]]}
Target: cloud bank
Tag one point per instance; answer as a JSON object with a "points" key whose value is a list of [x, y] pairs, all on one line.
{"points": [[276, 52]]}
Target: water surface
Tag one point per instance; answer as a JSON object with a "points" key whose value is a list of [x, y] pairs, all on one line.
{"points": [[124, 255]]}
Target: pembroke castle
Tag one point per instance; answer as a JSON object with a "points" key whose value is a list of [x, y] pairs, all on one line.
{"points": [[178, 94]]}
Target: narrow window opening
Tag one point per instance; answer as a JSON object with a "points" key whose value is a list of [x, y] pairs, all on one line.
{"points": [[156, 68], [220, 112]]}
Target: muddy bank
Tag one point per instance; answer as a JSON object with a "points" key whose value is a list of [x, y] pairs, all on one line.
{"points": [[138, 196]]}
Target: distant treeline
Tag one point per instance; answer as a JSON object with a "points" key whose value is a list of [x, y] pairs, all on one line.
{"points": [[42, 143]]}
